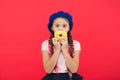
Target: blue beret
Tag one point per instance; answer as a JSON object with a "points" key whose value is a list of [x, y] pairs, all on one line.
{"points": [[60, 14]]}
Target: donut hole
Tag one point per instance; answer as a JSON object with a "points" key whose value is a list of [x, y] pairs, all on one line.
{"points": [[60, 35]]}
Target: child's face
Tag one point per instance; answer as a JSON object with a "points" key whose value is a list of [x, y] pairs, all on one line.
{"points": [[60, 24]]}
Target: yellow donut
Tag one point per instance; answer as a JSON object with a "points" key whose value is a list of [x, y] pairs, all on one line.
{"points": [[60, 34]]}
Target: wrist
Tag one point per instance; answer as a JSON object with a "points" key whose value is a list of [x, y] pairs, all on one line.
{"points": [[64, 50], [57, 49]]}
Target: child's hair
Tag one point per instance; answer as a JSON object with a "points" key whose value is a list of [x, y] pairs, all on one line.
{"points": [[67, 16]]}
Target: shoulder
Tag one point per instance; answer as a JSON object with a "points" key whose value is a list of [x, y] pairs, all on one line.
{"points": [[44, 45], [77, 45], [45, 42], [76, 42]]}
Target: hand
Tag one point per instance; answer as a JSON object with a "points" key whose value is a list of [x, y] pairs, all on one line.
{"points": [[64, 43], [56, 43]]}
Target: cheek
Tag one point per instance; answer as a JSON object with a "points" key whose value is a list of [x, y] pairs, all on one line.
{"points": [[54, 29], [67, 28]]}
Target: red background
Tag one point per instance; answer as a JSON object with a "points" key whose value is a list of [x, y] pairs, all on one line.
{"points": [[23, 27]]}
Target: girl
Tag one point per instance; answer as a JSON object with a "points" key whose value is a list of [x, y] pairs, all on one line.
{"points": [[61, 56]]}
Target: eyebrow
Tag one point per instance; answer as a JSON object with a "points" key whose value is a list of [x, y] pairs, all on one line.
{"points": [[58, 24]]}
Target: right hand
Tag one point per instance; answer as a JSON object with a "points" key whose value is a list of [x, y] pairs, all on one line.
{"points": [[56, 43]]}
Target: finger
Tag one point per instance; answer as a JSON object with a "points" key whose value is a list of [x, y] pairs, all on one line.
{"points": [[65, 38], [53, 39], [56, 39], [62, 39]]}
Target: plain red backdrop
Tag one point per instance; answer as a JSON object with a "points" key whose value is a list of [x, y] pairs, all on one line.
{"points": [[23, 27]]}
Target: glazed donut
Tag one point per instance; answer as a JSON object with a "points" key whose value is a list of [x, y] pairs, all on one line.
{"points": [[60, 34]]}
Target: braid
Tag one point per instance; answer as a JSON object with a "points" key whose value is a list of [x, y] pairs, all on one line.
{"points": [[50, 42], [70, 42]]}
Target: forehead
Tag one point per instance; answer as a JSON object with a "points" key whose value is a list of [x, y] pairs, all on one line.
{"points": [[60, 20]]}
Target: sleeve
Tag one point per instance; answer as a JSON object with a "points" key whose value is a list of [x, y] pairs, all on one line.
{"points": [[77, 45], [44, 45]]}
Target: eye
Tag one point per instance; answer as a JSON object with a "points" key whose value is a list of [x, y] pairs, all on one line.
{"points": [[64, 25], [56, 25]]}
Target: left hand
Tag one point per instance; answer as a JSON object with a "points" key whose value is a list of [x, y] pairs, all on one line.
{"points": [[64, 43]]}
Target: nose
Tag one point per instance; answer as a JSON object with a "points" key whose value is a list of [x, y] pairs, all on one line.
{"points": [[60, 28]]}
